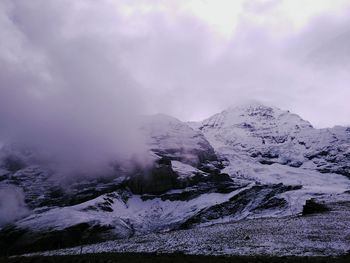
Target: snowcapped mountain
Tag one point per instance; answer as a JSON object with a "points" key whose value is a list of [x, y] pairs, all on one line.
{"points": [[249, 161], [269, 135]]}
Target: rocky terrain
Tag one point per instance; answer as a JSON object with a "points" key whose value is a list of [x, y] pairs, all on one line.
{"points": [[251, 164], [314, 235]]}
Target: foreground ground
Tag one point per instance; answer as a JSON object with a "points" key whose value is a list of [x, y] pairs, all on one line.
{"points": [[172, 258], [323, 234]]}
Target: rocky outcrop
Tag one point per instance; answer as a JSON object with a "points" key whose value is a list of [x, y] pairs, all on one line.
{"points": [[313, 207], [158, 179]]}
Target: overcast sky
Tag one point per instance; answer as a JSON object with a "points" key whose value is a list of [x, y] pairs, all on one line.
{"points": [[189, 58]]}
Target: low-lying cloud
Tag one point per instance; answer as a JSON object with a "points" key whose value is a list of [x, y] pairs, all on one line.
{"points": [[12, 204], [62, 87]]}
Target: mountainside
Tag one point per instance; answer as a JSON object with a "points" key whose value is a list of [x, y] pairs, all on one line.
{"points": [[169, 137], [249, 161], [270, 135]]}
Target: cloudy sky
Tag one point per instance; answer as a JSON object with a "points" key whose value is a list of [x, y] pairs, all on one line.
{"points": [[186, 58]]}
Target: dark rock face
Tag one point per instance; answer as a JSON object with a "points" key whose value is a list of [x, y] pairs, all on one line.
{"points": [[159, 179], [198, 185], [18, 241], [162, 178], [313, 207]]}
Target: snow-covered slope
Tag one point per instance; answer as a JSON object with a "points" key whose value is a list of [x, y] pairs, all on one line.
{"points": [[169, 137], [258, 133], [317, 235]]}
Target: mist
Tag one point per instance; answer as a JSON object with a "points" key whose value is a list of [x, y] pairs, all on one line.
{"points": [[12, 204], [63, 91]]}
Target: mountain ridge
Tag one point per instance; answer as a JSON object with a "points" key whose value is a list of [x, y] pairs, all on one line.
{"points": [[246, 162]]}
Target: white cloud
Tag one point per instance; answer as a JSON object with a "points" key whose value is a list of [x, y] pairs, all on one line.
{"points": [[197, 57]]}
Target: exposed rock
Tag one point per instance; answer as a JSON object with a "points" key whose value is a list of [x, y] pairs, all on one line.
{"points": [[17, 241], [158, 179], [313, 207]]}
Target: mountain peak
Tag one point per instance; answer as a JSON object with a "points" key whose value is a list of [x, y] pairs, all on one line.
{"points": [[256, 114], [247, 104]]}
